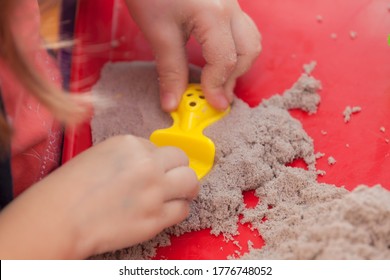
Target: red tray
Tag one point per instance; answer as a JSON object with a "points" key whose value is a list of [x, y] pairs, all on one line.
{"points": [[353, 71]]}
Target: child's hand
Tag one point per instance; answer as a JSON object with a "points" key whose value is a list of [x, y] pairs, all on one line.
{"points": [[229, 39], [116, 194], [132, 191]]}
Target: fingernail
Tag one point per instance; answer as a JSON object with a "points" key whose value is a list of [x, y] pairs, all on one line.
{"points": [[230, 97], [168, 102], [217, 99], [229, 89], [221, 102]]}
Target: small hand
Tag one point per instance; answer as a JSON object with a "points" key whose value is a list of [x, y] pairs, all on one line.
{"points": [[129, 191], [229, 39]]}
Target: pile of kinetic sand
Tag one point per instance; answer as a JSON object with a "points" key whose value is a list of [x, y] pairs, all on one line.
{"points": [[305, 219]]}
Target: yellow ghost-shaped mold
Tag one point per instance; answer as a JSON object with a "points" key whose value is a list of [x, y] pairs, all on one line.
{"points": [[192, 116]]}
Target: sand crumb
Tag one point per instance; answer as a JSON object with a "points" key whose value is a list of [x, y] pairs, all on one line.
{"points": [[319, 18], [319, 155], [235, 242], [333, 36], [321, 172], [305, 219], [382, 129], [348, 111], [237, 254], [353, 35], [331, 160], [323, 132], [309, 67]]}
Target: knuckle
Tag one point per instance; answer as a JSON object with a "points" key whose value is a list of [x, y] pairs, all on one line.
{"points": [[193, 179], [255, 46], [255, 49], [218, 7], [178, 154], [231, 61], [130, 146], [147, 167], [182, 156], [169, 76], [195, 190], [251, 48], [125, 141], [168, 70], [192, 183]]}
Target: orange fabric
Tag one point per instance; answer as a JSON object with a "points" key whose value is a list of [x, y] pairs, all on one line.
{"points": [[36, 141]]}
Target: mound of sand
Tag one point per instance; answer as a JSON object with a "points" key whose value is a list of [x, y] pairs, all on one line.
{"points": [[305, 219]]}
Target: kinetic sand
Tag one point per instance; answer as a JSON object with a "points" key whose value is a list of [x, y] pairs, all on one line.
{"points": [[348, 111], [305, 219]]}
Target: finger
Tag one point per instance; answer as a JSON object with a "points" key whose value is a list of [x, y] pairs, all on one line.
{"points": [[173, 212], [129, 143], [248, 46], [141, 144], [171, 157], [219, 51], [172, 65], [181, 183]]}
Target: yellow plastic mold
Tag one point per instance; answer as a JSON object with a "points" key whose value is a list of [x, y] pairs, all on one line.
{"points": [[192, 116]]}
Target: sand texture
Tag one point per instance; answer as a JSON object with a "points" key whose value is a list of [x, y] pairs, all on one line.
{"points": [[304, 219]]}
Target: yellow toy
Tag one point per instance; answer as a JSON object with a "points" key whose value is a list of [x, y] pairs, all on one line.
{"points": [[192, 116]]}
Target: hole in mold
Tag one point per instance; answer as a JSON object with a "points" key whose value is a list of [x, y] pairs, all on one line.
{"points": [[201, 96], [192, 104], [189, 94]]}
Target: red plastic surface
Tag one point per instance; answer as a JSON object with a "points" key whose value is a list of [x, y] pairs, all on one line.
{"points": [[353, 72]]}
